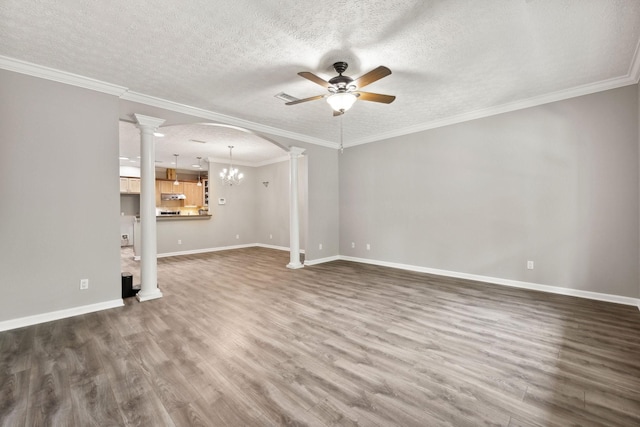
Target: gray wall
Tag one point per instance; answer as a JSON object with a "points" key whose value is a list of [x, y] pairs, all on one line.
{"points": [[59, 220], [556, 184], [236, 217], [272, 216], [256, 213], [322, 225]]}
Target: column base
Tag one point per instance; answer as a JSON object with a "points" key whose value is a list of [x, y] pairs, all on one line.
{"points": [[154, 294], [295, 265]]}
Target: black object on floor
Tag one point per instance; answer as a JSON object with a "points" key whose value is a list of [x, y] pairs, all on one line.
{"points": [[127, 286]]}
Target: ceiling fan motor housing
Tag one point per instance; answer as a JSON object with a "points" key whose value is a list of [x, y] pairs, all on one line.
{"points": [[340, 82]]}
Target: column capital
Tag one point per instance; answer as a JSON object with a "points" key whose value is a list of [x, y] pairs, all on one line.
{"points": [[296, 151], [146, 121]]}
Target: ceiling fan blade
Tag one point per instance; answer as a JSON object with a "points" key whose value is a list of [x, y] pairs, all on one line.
{"points": [[317, 80], [375, 97], [313, 98], [372, 76]]}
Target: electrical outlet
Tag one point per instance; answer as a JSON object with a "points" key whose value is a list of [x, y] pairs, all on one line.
{"points": [[368, 247], [179, 241], [529, 265], [320, 246], [270, 236], [237, 236], [84, 284], [353, 245]]}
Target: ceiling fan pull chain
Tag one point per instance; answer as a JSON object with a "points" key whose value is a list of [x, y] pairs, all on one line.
{"points": [[341, 146]]}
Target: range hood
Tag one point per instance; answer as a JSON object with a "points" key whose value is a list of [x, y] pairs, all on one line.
{"points": [[172, 196]]}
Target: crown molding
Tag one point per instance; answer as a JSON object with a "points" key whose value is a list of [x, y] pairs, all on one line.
{"points": [[222, 118], [146, 121], [47, 73], [225, 161], [24, 67], [634, 68], [561, 95]]}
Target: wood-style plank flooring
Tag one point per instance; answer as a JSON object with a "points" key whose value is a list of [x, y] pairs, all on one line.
{"points": [[240, 340]]}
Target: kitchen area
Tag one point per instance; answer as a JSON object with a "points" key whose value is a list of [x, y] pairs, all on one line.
{"points": [[176, 200], [206, 199]]}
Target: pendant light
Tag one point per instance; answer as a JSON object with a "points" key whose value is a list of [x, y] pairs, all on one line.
{"points": [[199, 184], [176, 181]]}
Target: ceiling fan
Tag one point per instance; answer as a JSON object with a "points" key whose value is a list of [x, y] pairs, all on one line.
{"points": [[344, 91]]}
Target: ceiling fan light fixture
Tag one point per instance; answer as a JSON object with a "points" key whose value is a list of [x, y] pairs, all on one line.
{"points": [[341, 101]]}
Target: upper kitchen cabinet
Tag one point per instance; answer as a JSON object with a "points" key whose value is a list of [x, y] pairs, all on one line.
{"points": [[170, 187], [193, 194], [129, 185]]}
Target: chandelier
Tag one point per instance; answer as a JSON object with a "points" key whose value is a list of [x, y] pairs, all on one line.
{"points": [[231, 176]]}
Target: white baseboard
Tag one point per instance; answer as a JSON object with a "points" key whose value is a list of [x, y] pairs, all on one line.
{"points": [[222, 248], [59, 314], [279, 248], [205, 250], [322, 260], [505, 282]]}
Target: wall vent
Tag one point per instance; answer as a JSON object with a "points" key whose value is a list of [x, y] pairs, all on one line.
{"points": [[286, 97]]}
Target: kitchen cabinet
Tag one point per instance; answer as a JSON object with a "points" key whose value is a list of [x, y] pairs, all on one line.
{"points": [[169, 187], [193, 194], [129, 185], [134, 185]]}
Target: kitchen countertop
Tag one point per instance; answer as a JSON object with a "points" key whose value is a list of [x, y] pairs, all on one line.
{"points": [[180, 217]]}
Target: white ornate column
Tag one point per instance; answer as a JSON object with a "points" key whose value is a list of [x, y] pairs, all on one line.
{"points": [[149, 248], [294, 220]]}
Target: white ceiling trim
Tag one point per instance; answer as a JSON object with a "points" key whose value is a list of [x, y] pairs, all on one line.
{"points": [[210, 115], [634, 68], [47, 73], [225, 162], [513, 106], [248, 164], [24, 67]]}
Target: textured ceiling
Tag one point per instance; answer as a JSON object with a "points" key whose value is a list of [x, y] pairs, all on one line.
{"points": [[448, 58]]}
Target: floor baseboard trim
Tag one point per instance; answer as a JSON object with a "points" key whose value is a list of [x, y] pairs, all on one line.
{"points": [[221, 248], [618, 299], [322, 260], [205, 250], [59, 314], [279, 248]]}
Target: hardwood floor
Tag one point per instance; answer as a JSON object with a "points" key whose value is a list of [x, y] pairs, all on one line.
{"points": [[240, 340]]}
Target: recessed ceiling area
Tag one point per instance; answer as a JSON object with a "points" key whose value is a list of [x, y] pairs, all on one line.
{"points": [[206, 140], [450, 61]]}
